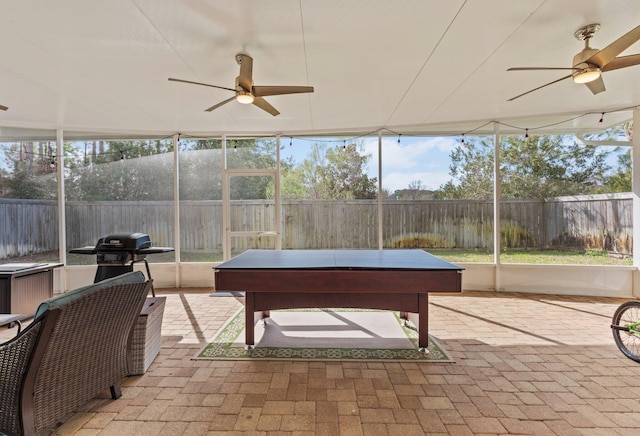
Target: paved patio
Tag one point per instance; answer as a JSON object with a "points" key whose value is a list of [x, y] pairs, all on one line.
{"points": [[525, 364]]}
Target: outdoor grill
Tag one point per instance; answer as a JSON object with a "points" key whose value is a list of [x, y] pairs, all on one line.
{"points": [[116, 254], [122, 248]]}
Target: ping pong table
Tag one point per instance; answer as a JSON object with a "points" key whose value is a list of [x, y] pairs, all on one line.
{"points": [[398, 280]]}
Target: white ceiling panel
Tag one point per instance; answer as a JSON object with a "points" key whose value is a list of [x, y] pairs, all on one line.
{"points": [[405, 66]]}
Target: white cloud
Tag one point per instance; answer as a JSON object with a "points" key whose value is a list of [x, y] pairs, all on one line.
{"points": [[432, 180], [411, 152], [423, 159]]}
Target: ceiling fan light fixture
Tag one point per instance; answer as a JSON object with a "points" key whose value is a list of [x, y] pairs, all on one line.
{"points": [[244, 98], [586, 75]]}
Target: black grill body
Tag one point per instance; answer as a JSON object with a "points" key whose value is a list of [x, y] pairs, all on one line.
{"points": [[122, 248]]}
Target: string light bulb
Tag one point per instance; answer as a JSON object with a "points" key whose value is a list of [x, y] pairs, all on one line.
{"points": [[462, 138], [601, 119], [291, 142], [399, 135], [526, 133], [52, 164]]}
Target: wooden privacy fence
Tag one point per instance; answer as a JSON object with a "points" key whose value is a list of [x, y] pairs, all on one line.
{"points": [[27, 227], [583, 222]]}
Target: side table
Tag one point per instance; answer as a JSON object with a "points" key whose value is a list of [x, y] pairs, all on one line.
{"points": [[24, 286], [9, 319], [147, 340]]}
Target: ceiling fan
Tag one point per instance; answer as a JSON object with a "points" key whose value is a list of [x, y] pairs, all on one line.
{"points": [[246, 92], [590, 63]]}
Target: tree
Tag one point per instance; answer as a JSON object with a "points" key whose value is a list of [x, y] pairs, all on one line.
{"points": [[29, 171], [143, 170], [386, 194], [415, 191], [471, 172], [200, 174], [331, 174], [120, 171], [551, 166], [345, 174], [621, 181], [311, 174], [534, 167], [251, 154], [292, 181]]}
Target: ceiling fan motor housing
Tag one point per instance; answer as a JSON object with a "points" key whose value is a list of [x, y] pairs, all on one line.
{"points": [[580, 58], [581, 65]]}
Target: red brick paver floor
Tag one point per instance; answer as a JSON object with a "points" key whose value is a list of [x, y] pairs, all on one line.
{"points": [[525, 364]]}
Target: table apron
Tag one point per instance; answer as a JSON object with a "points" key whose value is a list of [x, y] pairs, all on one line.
{"points": [[403, 302], [338, 281]]}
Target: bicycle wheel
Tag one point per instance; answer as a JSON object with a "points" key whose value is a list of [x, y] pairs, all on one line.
{"points": [[627, 340]]}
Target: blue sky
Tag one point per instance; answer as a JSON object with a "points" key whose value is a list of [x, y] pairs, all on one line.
{"points": [[424, 159]]}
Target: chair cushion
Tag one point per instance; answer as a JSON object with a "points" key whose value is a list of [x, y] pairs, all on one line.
{"points": [[59, 300]]}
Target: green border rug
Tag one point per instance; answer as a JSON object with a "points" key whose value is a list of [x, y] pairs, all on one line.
{"points": [[228, 344]]}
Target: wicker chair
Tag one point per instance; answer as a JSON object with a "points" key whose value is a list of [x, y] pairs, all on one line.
{"points": [[77, 346]]}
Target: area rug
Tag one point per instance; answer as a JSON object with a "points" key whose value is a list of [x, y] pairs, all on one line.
{"points": [[324, 334]]}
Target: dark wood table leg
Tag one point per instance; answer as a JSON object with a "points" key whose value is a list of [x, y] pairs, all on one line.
{"points": [[423, 321], [249, 319]]}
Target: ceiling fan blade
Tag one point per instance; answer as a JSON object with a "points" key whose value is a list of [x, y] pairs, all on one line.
{"points": [[264, 105], [539, 68], [263, 91], [539, 87], [622, 62], [198, 83], [216, 106], [245, 79], [3, 108], [607, 54], [596, 86]]}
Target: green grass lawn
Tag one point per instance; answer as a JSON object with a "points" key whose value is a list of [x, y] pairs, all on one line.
{"points": [[558, 257]]}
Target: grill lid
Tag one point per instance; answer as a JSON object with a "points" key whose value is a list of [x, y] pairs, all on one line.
{"points": [[124, 242]]}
